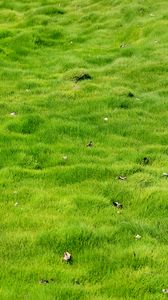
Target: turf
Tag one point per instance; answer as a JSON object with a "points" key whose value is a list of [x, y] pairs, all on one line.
{"points": [[74, 72]]}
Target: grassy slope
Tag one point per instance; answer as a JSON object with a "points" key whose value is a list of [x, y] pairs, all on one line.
{"points": [[66, 204]]}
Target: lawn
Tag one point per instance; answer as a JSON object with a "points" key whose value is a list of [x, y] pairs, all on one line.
{"points": [[83, 124]]}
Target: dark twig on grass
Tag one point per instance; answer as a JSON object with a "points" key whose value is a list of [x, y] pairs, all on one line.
{"points": [[117, 204], [130, 94], [123, 45], [46, 281], [146, 160], [90, 144], [43, 281], [122, 177], [80, 77]]}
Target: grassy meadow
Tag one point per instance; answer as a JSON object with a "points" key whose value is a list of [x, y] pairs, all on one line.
{"points": [[56, 194]]}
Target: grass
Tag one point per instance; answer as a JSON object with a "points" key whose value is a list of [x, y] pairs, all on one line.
{"points": [[56, 194]]}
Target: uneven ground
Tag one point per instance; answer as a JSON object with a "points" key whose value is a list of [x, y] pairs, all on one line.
{"points": [[56, 194]]}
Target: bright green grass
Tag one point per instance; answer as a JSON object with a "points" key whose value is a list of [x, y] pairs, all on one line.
{"points": [[66, 204]]}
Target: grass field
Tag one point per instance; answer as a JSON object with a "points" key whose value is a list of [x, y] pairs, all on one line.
{"points": [[56, 194]]}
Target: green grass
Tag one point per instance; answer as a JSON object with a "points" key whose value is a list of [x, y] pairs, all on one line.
{"points": [[56, 194]]}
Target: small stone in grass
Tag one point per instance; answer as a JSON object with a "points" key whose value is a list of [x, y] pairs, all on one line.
{"points": [[137, 237], [165, 174], [105, 119], [13, 114], [165, 291], [67, 256]]}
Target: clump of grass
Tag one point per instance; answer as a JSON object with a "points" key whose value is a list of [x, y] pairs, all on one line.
{"points": [[27, 125]]}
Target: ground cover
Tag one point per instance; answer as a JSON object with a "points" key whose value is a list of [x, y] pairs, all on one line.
{"points": [[74, 72]]}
